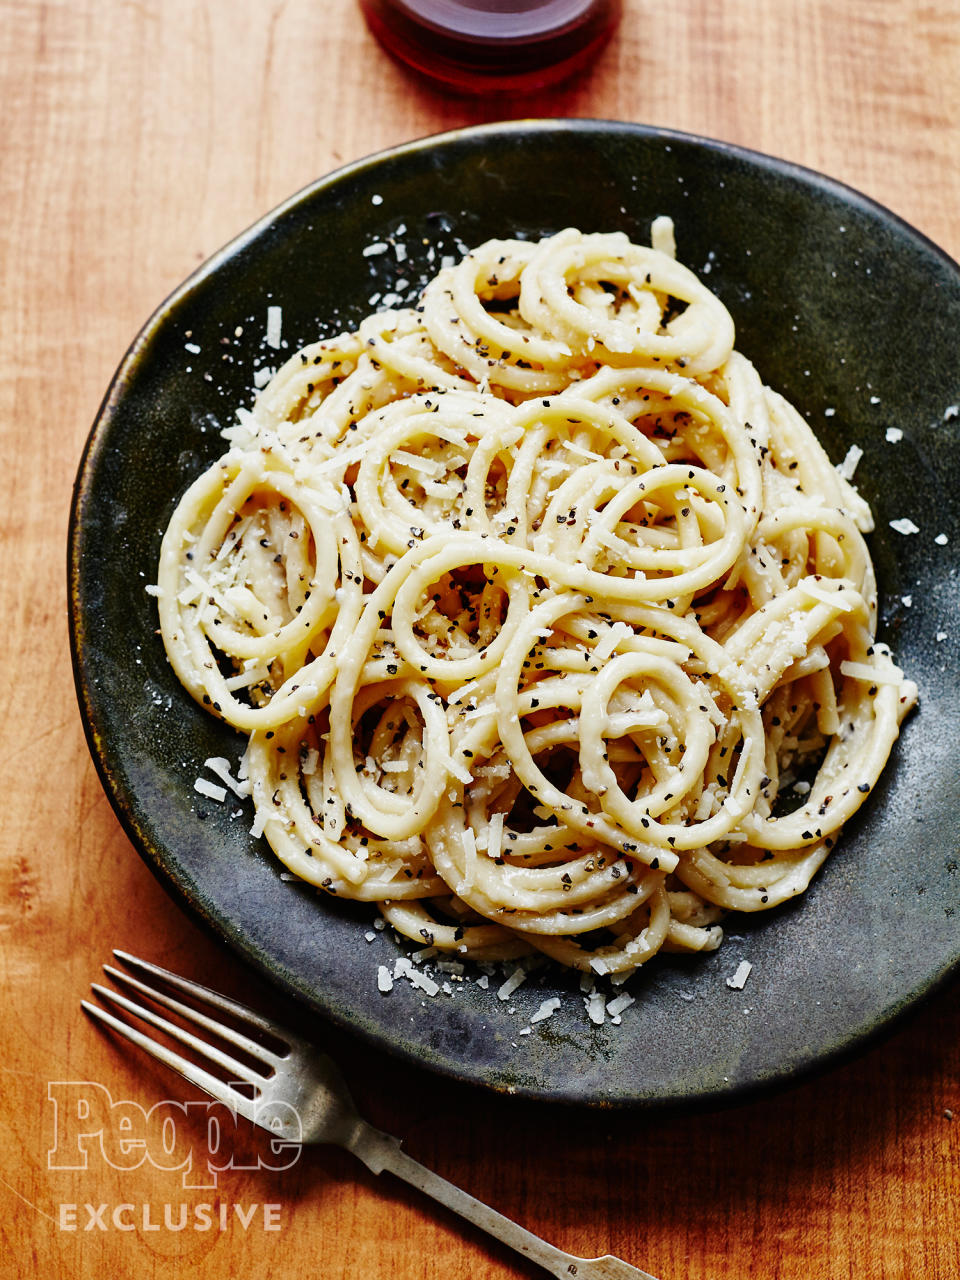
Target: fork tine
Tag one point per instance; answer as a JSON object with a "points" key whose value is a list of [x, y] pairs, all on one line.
{"points": [[213, 999], [200, 1019], [189, 1070], [202, 1047]]}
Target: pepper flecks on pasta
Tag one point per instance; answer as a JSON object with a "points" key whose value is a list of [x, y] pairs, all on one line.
{"points": [[532, 600]]}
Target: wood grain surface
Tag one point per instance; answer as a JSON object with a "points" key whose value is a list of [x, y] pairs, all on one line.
{"points": [[138, 136]]}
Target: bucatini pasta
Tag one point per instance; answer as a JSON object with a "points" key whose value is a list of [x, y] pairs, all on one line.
{"points": [[532, 599]]}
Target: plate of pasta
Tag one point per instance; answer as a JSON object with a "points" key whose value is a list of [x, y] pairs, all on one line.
{"points": [[500, 608]]}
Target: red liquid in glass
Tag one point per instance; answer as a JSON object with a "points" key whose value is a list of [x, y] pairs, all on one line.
{"points": [[477, 45]]}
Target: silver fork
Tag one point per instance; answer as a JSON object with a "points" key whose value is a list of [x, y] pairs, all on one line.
{"points": [[301, 1097]]}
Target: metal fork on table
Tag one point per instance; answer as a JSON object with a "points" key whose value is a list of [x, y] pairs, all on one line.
{"points": [[301, 1097]]}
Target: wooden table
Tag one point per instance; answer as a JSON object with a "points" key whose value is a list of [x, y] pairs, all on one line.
{"points": [[137, 137]]}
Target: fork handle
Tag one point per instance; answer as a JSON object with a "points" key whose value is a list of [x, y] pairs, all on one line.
{"points": [[380, 1151]]}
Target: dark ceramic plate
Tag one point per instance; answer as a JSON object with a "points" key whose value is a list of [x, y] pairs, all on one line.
{"points": [[842, 307]]}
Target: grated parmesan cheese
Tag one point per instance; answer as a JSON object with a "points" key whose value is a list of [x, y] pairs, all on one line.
{"points": [[220, 767], [458, 771], [495, 836], [832, 598], [739, 979], [210, 790], [583, 453], [596, 1008], [428, 466], [547, 1009], [274, 325], [516, 979], [904, 525], [422, 982], [848, 466], [873, 675], [616, 1006], [619, 631]]}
